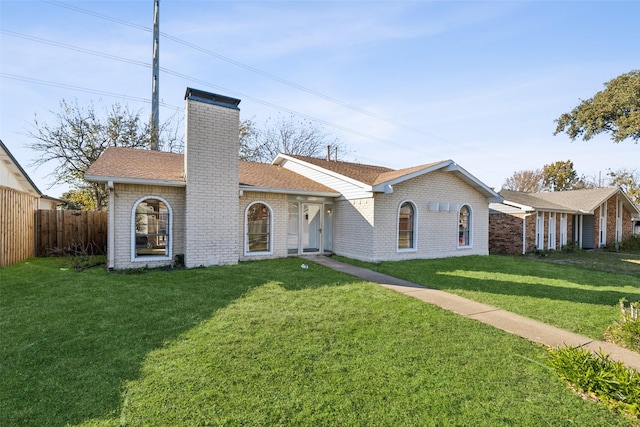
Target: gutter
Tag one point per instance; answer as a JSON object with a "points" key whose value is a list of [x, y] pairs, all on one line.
{"points": [[140, 181], [289, 191], [111, 232]]}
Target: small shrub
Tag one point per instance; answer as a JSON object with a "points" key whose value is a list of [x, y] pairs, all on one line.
{"points": [[626, 331], [631, 244], [571, 247], [599, 377]]}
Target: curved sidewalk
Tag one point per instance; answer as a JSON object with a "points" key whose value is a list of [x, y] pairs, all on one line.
{"points": [[514, 324]]}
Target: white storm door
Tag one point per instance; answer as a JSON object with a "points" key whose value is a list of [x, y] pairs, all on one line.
{"points": [[311, 228]]}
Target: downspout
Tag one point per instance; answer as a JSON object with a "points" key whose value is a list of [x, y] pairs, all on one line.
{"points": [[111, 232], [524, 232]]}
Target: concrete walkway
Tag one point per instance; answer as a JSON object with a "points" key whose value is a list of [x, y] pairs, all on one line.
{"points": [[514, 324]]}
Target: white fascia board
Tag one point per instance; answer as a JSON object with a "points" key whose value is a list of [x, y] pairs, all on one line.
{"points": [[288, 191], [139, 181], [380, 187], [281, 158], [518, 205], [633, 208]]}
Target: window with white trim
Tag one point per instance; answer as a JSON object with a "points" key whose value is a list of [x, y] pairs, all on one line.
{"points": [[151, 229], [406, 226], [464, 226], [258, 228]]}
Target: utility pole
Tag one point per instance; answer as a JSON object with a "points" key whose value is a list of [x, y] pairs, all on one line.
{"points": [[155, 100]]}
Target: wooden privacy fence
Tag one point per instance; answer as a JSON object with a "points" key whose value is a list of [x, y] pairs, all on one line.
{"points": [[60, 232], [16, 225]]}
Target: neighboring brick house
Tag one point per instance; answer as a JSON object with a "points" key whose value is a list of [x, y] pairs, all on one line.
{"points": [[211, 208], [589, 218]]}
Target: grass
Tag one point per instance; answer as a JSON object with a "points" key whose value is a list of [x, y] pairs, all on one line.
{"points": [[561, 293], [611, 262], [260, 343]]}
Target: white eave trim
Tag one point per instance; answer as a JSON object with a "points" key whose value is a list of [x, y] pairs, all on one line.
{"points": [[518, 205], [289, 191], [139, 181], [278, 161]]}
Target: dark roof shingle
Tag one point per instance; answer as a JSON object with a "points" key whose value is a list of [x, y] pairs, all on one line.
{"points": [[366, 174], [134, 163], [149, 165]]}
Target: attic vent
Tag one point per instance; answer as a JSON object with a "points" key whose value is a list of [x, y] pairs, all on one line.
{"points": [[443, 207]]}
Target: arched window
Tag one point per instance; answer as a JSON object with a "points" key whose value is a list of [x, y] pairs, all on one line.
{"points": [[151, 229], [406, 226], [258, 228], [464, 226]]}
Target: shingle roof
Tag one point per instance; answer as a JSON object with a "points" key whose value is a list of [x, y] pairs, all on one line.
{"points": [[391, 175], [367, 174], [149, 165], [586, 200], [264, 175], [134, 163]]}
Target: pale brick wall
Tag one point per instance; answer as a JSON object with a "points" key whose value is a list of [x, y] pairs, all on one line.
{"points": [[366, 229], [279, 214], [437, 232], [211, 164], [125, 198], [353, 229]]}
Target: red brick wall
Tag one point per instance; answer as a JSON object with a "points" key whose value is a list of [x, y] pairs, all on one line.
{"points": [[505, 234], [611, 221]]}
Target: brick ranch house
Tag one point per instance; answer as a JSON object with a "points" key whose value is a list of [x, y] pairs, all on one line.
{"points": [[590, 218], [211, 208]]}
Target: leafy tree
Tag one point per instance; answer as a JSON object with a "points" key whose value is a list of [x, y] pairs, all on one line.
{"points": [[84, 199], [628, 180], [614, 110], [529, 181], [283, 135], [561, 176], [80, 135]]}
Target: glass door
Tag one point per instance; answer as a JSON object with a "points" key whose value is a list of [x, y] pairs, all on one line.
{"points": [[311, 227]]}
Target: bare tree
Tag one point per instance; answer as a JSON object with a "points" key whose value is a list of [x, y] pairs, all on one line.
{"points": [[80, 135], [529, 181], [284, 136]]}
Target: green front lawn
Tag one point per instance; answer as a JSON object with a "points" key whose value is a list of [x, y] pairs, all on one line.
{"points": [[261, 343], [569, 291]]}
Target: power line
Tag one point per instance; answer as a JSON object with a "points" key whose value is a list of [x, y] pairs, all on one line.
{"points": [[244, 96], [183, 76], [75, 48], [84, 89], [253, 69]]}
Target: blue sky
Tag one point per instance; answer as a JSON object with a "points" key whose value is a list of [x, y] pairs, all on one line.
{"points": [[401, 83]]}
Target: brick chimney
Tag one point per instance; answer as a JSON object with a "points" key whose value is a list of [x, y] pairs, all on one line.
{"points": [[211, 165]]}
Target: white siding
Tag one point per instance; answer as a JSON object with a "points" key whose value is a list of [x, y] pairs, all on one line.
{"points": [[344, 187]]}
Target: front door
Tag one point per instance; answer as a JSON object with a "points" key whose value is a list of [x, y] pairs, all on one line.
{"points": [[311, 228]]}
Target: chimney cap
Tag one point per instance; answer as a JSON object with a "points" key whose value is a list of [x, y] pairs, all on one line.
{"points": [[212, 98]]}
